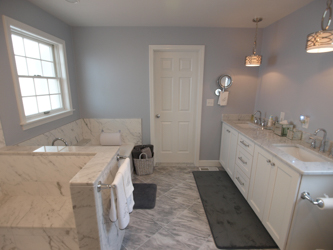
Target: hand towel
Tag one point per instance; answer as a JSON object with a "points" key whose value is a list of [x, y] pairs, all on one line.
{"points": [[223, 99], [125, 171], [119, 205]]}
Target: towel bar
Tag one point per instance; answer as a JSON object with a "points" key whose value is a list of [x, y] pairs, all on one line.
{"points": [[101, 186], [121, 157], [318, 202]]}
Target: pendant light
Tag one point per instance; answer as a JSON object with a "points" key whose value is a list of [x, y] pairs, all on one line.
{"points": [[254, 60], [321, 41]]}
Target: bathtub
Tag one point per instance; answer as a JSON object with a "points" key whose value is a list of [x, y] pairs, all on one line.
{"points": [[49, 200]]}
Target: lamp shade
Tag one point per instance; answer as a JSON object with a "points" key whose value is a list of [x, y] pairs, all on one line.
{"points": [[320, 42], [253, 60]]}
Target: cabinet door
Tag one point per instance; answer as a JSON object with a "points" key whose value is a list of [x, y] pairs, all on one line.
{"points": [[260, 173], [232, 153], [224, 150], [282, 190]]}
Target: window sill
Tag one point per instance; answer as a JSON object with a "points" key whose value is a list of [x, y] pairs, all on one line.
{"points": [[43, 120]]}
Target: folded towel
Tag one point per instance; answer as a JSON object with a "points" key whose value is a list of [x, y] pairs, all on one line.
{"points": [[125, 171], [119, 205], [110, 139], [223, 99]]}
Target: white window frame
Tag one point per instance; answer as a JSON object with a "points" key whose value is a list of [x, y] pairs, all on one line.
{"points": [[28, 122]]}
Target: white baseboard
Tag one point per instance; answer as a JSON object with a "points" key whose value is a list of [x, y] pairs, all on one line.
{"points": [[209, 163]]}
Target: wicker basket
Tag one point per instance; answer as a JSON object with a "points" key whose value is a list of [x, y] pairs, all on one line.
{"points": [[144, 166]]}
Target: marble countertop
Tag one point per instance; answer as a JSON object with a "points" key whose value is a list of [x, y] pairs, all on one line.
{"points": [[266, 140], [87, 176]]}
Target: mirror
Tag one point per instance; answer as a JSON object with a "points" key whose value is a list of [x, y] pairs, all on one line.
{"points": [[224, 81]]}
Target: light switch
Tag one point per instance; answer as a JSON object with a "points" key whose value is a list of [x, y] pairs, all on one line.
{"points": [[210, 102]]}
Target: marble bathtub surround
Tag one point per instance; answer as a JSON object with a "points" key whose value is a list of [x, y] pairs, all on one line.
{"points": [[87, 129], [71, 132], [266, 139], [131, 131]]}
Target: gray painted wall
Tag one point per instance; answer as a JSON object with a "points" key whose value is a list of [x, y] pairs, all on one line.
{"points": [[292, 80], [28, 13], [113, 73]]}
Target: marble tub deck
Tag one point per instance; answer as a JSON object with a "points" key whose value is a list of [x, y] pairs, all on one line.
{"points": [[177, 222]]}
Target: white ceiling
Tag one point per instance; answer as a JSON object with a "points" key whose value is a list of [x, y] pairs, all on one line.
{"points": [[171, 13]]}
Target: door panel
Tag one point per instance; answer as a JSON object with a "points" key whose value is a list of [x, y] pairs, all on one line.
{"points": [[175, 89]]}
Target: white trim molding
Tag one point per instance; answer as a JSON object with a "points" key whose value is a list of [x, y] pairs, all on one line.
{"points": [[200, 49]]}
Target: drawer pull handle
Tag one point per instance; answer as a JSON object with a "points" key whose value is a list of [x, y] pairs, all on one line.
{"points": [[240, 182], [272, 164], [246, 145], [268, 161], [241, 159], [228, 130]]}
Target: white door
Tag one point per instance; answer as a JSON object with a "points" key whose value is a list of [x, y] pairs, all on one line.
{"points": [[175, 94]]}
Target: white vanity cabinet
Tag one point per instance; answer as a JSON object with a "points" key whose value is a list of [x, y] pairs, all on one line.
{"points": [[228, 149], [272, 195]]}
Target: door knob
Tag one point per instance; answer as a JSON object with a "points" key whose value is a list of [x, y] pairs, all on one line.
{"points": [[158, 116]]}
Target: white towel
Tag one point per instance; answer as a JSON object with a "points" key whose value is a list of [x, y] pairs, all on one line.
{"points": [[223, 99], [122, 201], [125, 170], [119, 205]]}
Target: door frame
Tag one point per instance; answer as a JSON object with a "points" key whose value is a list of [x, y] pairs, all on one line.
{"points": [[200, 50]]}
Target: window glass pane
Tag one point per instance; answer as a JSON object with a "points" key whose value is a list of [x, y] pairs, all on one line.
{"points": [[56, 101], [34, 66], [54, 86], [45, 52], [43, 103], [27, 86], [41, 86], [30, 105], [31, 48], [48, 69], [21, 65], [18, 45]]}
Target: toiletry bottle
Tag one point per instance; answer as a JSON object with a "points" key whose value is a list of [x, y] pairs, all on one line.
{"points": [[270, 121]]}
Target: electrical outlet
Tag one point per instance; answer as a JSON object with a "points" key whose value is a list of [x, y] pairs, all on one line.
{"points": [[210, 102], [282, 116]]}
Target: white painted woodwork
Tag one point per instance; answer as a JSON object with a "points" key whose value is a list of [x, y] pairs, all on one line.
{"points": [[260, 175], [246, 144], [280, 201], [228, 149], [175, 91], [311, 227], [244, 161], [241, 181]]}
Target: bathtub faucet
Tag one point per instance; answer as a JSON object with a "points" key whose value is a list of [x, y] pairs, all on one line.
{"points": [[59, 139]]}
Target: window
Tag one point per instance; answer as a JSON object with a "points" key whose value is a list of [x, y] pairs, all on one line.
{"points": [[39, 70]]}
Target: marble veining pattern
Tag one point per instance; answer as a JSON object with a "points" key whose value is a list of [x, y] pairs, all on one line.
{"points": [[266, 140], [71, 133], [131, 131], [2, 138], [178, 220]]}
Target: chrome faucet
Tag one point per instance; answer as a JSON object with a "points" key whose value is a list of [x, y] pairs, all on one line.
{"points": [[258, 121], [59, 139], [322, 145]]}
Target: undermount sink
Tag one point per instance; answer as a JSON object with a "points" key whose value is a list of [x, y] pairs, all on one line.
{"points": [[247, 125], [301, 153]]}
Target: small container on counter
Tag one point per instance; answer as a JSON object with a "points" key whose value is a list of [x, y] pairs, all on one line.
{"points": [[282, 129], [294, 134]]}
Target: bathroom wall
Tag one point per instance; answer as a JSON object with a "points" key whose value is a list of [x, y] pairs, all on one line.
{"points": [[28, 13], [113, 73], [291, 80]]}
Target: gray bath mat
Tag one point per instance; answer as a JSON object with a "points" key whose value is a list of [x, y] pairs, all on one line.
{"points": [[232, 221], [144, 195]]}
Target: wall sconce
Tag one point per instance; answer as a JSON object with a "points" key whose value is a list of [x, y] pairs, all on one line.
{"points": [[321, 41], [254, 60]]}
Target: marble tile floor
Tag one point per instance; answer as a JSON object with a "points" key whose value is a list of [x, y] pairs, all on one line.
{"points": [[178, 220]]}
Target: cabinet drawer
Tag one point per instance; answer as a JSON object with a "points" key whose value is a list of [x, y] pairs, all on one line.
{"points": [[241, 181], [246, 144], [244, 161]]}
